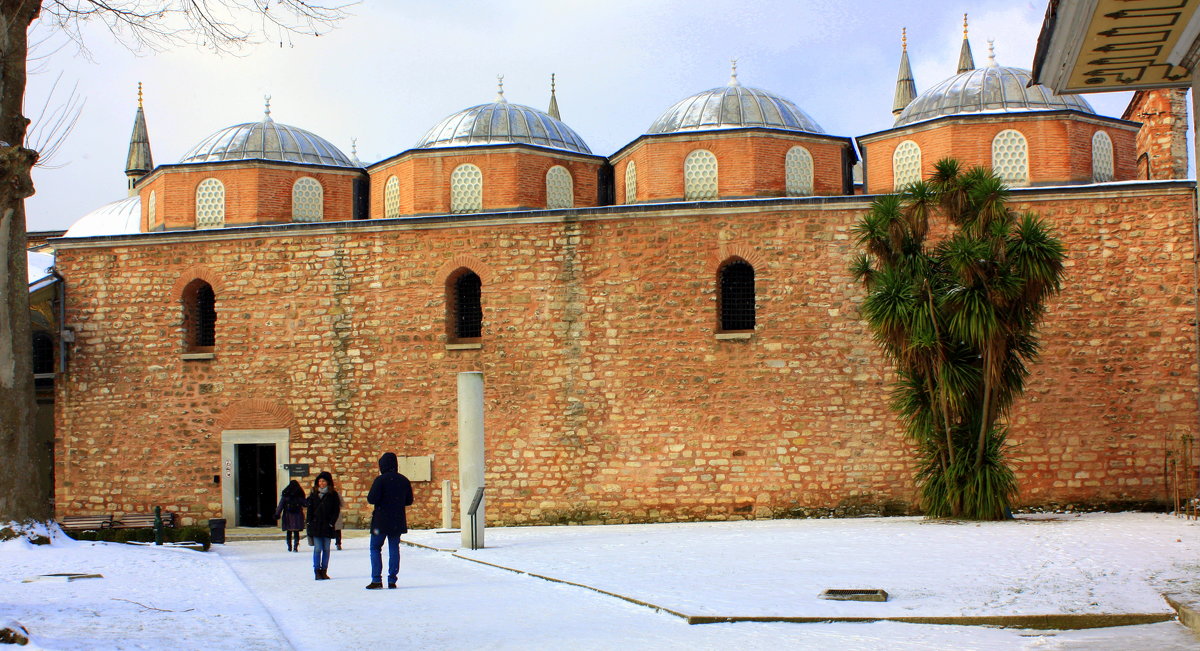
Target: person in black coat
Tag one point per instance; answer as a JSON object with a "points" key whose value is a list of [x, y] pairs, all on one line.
{"points": [[291, 508], [390, 493], [324, 505]]}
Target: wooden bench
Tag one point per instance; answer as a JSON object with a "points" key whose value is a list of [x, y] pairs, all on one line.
{"points": [[143, 520], [86, 522]]}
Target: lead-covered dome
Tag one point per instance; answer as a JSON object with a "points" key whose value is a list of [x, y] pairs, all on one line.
{"points": [[991, 89], [120, 217], [733, 106], [501, 122], [267, 140]]}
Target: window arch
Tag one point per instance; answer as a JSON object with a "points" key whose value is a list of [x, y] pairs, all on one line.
{"points": [[560, 188], [906, 164], [152, 211], [798, 170], [391, 197], [700, 176], [630, 182], [199, 317], [466, 189], [43, 352], [1102, 158], [1010, 157], [464, 306], [210, 204], [735, 295], [308, 200]]}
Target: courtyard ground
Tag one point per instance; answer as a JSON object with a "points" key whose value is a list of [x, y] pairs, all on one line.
{"points": [[633, 587]]}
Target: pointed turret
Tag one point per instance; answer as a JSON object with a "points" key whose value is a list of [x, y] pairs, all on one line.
{"points": [[906, 87], [139, 162], [966, 62], [553, 110]]}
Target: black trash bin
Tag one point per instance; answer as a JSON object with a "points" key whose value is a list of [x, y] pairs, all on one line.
{"points": [[216, 531]]}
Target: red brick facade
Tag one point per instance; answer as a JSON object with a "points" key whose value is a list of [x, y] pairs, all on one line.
{"points": [[608, 396], [1162, 140]]}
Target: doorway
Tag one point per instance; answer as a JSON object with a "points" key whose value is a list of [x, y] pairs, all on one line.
{"points": [[252, 474], [255, 487]]}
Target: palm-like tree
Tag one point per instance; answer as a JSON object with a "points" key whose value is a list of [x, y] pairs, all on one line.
{"points": [[958, 317]]}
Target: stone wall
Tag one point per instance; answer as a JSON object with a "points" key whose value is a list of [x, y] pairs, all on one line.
{"points": [[608, 396]]}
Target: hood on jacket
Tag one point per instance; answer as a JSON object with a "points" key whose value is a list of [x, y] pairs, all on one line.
{"points": [[328, 478], [388, 463]]}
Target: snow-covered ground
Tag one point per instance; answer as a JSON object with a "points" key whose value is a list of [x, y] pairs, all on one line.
{"points": [[255, 595]]}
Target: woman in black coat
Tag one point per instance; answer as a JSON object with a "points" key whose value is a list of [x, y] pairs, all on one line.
{"points": [[290, 513], [324, 505]]}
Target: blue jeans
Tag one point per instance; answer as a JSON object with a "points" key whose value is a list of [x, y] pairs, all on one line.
{"points": [[393, 542], [320, 553]]}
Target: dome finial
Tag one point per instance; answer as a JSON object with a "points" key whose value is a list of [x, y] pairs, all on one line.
{"points": [[964, 25], [553, 109], [139, 94], [904, 39], [992, 53], [500, 89], [267, 110], [733, 80]]}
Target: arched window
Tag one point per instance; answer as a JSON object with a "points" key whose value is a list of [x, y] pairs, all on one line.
{"points": [[43, 353], [700, 176], [560, 189], [210, 204], [630, 183], [735, 295], [906, 164], [152, 211], [199, 317], [1102, 158], [464, 307], [1010, 157], [466, 189], [391, 197], [798, 169], [308, 200], [1143, 167]]}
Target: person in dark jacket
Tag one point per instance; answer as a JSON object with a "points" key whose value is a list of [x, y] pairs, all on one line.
{"points": [[290, 513], [390, 493], [324, 505]]}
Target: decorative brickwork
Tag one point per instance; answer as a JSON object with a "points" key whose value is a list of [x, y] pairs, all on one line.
{"points": [[1162, 140]]}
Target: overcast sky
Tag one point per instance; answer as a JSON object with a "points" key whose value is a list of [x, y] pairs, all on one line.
{"points": [[393, 69]]}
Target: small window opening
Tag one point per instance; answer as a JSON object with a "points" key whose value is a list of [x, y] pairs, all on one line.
{"points": [[465, 316], [200, 316], [736, 285]]}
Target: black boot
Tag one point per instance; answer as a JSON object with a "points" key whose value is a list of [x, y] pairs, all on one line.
{"points": [[374, 585], [316, 575], [324, 574]]}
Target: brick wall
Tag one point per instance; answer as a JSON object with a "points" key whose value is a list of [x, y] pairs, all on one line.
{"points": [[1060, 147], [608, 397], [1162, 140]]}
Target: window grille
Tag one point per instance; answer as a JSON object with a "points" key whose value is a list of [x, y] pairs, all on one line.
{"points": [[466, 309], [308, 200], [1102, 158], [631, 183], [151, 210], [906, 164], [210, 204], [391, 198], [43, 353], [798, 167], [700, 176], [560, 190], [466, 189], [1010, 157], [199, 315], [736, 286]]}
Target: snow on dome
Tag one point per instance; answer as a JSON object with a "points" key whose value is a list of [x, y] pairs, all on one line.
{"points": [[267, 140], [117, 218], [501, 123], [990, 89], [734, 106], [39, 265]]}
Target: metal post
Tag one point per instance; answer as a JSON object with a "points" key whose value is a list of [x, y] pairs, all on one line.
{"points": [[158, 525], [470, 456]]}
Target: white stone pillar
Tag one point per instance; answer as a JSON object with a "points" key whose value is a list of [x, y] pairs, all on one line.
{"points": [[447, 506], [470, 454]]}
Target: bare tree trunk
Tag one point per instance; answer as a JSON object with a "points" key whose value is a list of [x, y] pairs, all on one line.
{"points": [[25, 483]]}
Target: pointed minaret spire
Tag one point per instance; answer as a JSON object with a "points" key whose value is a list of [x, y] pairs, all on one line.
{"points": [[553, 111], [139, 162], [906, 87], [500, 89], [733, 80], [966, 62]]}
